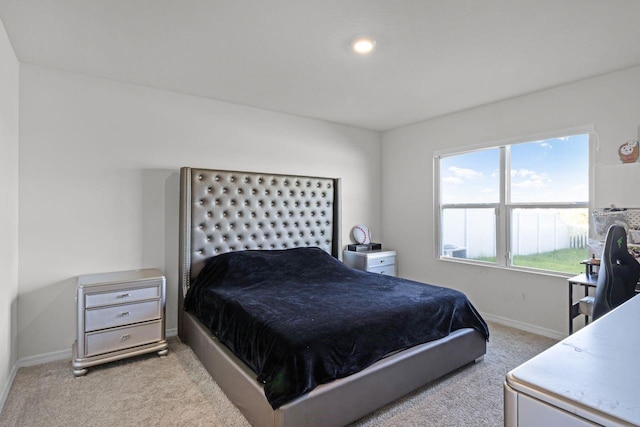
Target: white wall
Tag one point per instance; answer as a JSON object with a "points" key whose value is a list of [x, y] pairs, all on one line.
{"points": [[9, 84], [99, 187], [532, 301], [99, 165]]}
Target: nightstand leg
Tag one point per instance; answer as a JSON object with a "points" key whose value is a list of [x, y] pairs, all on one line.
{"points": [[163, 352], [80, 372]]}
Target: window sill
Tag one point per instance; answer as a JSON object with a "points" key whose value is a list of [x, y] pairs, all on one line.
{"points": [[547, 273]]}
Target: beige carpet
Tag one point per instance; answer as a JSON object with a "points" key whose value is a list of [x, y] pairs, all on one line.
{"points": [[176, 390]]}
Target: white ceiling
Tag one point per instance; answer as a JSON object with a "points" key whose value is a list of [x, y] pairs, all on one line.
{"points": [[432, 57]]}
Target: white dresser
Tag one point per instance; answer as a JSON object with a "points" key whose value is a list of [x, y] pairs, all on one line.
{"points": [[590, 378], [381, 262], [120, 314]]}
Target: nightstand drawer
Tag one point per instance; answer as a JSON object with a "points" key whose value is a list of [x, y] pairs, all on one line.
{"points": [[107, 317], [388, 270], [382, 260], [120, 338], [374, 261], [121, 297]]}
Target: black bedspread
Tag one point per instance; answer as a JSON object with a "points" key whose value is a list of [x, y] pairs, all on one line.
{"points": [[300, 318]]}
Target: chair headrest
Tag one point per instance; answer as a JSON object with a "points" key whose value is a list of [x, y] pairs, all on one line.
{"points": [[617, 243]]}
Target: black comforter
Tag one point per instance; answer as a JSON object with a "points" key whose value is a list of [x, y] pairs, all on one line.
{"points": [[300, 318]]}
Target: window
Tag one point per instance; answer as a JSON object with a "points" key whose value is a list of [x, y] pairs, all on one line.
{"points": [[521, 205]]}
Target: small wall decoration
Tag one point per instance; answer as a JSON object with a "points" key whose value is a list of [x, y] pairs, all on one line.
{"points": [[629, 151]]}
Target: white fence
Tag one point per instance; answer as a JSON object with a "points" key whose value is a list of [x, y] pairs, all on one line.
{"points": [[470, 233]]}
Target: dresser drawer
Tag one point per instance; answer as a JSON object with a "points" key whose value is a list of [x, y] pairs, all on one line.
{"points": [[117, 315], [120, 297], [121, 338], [389, 270], [381, 260]]}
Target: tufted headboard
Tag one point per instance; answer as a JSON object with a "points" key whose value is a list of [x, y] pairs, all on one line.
{"points": [[225, 211]]}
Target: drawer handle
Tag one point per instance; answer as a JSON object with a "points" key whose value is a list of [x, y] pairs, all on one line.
{"points": [[127, 295], [124, 314], [125, 337], [381, 261]]}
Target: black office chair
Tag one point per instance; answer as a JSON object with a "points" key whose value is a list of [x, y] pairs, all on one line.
{"points": [[618, 274]]}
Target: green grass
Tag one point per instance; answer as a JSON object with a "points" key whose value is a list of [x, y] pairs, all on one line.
{"points": [[564, 260]]}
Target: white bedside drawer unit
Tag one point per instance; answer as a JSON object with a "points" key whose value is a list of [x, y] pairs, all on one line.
{"points": [[381, 262], [120, 314]]}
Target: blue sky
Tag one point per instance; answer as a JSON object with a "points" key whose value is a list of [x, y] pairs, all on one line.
{"points": [[551, 170]]}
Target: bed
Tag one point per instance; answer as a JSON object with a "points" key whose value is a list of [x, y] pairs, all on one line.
{"points": [[224, 212]]}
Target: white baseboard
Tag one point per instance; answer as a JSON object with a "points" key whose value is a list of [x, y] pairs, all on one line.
{"points": [[7, 386], [524, 326], [39, 359], [30, 361]]}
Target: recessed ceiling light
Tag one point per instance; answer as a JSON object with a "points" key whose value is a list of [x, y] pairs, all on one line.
{"points": [[363, 45]]}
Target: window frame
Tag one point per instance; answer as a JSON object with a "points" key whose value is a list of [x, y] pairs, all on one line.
{"points": [[503, 208]]}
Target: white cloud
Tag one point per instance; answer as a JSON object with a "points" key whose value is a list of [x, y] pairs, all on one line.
{"points": [[524, 173], [530, 184], [464, 173], [452, 180], [528, 179]]}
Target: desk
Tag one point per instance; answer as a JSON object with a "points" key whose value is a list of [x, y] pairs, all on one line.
{"points": [[588, 378], [586, 281]]}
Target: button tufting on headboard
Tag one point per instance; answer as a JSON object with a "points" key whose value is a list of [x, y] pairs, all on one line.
{"points": [[231, 210]]}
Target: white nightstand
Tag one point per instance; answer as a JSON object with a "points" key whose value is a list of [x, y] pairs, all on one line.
{"points": [[120, 314], [381, 262]]}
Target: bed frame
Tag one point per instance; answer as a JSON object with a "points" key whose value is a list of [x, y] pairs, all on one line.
{"points": [[223, 211]]}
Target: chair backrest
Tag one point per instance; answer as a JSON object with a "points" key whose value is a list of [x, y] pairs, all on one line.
{"points": [[618, 274]]}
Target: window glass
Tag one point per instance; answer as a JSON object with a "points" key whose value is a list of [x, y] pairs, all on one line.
{"points": [[469, 234], [552, 170], [471, 177], [539, 219], [550, 239]]}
